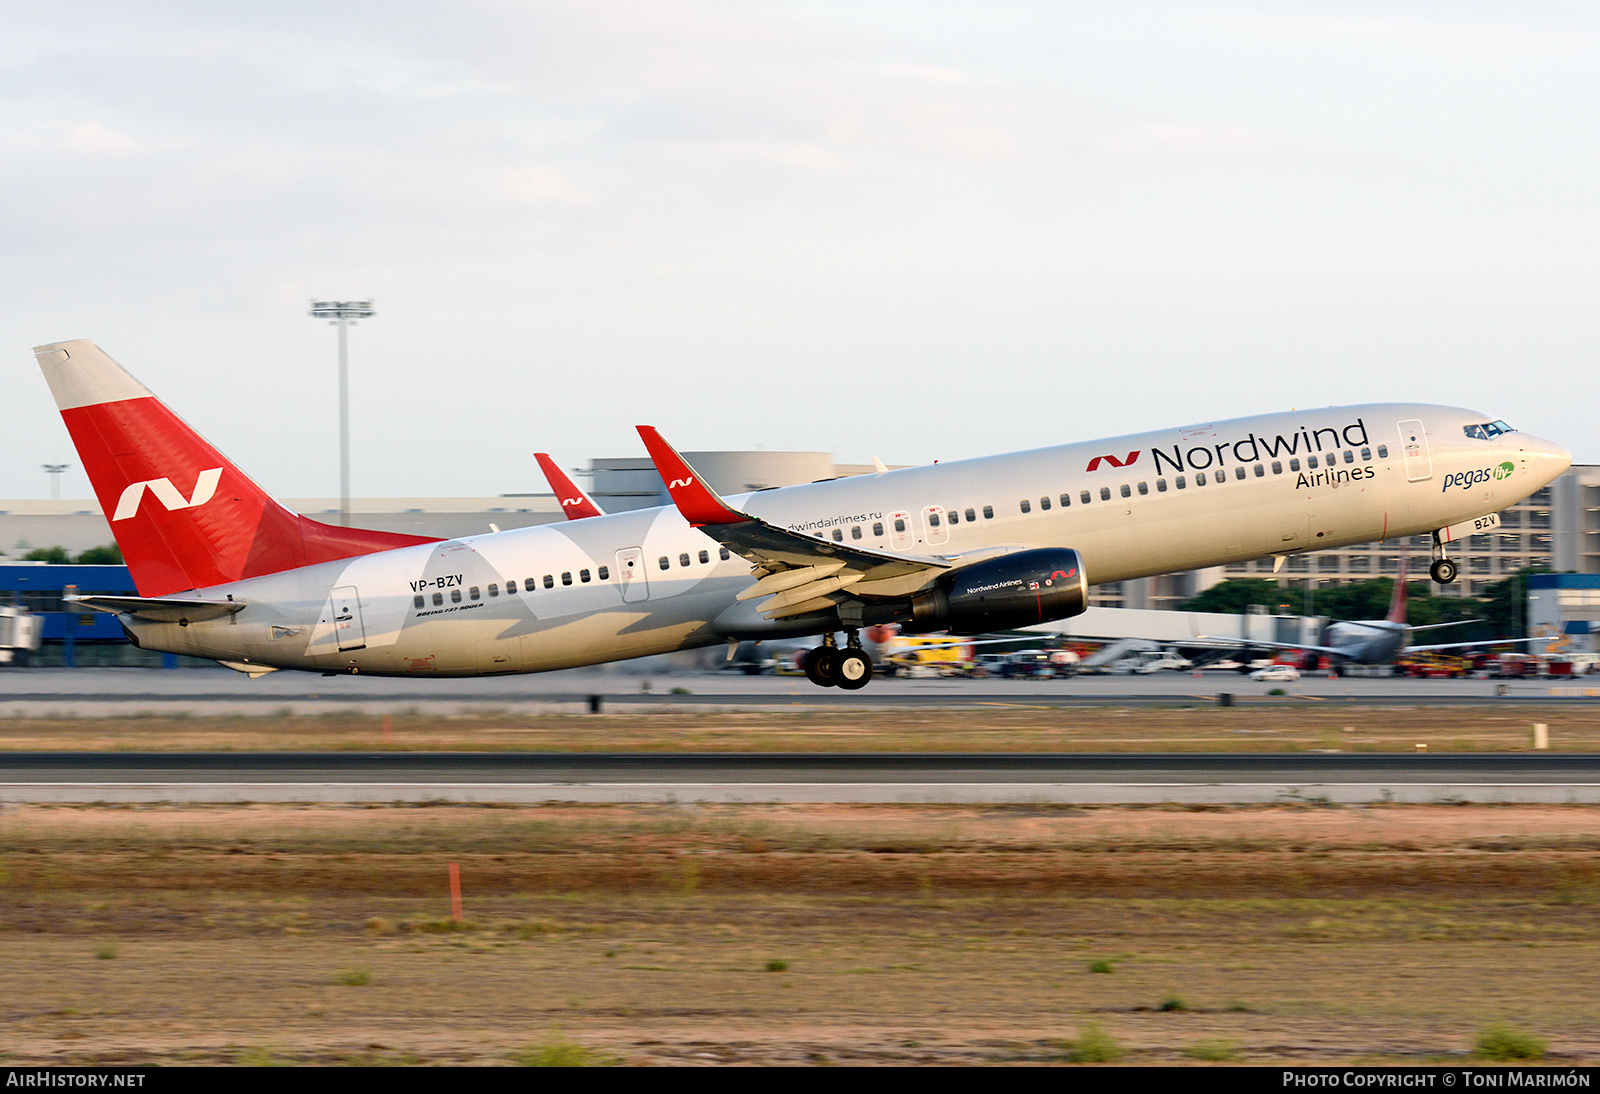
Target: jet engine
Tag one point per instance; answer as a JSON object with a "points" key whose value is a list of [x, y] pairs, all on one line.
{"points": [[1000, 594]]}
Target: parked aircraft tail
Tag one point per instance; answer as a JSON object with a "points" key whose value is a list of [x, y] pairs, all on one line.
{"points": [[184, 516], [1397, 602]]}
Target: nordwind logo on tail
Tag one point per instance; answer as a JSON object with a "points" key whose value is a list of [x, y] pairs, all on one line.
{"points": [[167, 494]]}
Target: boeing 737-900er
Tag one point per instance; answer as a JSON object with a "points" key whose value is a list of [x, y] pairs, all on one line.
{"points": [[971, 546]]}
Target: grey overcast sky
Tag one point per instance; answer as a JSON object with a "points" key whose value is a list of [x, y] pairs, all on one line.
{"points": [[920, 230]]}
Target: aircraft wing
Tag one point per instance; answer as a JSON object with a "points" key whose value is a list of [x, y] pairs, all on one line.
{"points": [[160, 609], [1481, 642], [801, 572], [1246, 643], [574, 502]]}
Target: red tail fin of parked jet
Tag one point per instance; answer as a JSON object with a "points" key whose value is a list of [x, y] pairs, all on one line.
{"points": [[183, 515], [1397, 603]]}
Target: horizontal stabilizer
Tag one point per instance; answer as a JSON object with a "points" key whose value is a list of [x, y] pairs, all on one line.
{"points": [[159, 609]]}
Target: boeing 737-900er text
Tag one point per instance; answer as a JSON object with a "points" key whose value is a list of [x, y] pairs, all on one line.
{"points": [[225, 572]]}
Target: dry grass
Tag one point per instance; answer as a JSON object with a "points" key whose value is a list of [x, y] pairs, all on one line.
{"points": [[908, 934], [1002, 727]]}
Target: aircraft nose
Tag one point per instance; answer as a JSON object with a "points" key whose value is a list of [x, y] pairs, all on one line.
{"points": [[1548, 458]]}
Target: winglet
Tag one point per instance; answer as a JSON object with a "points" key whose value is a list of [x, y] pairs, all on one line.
{"points": [[698, 503], [574, 502]]}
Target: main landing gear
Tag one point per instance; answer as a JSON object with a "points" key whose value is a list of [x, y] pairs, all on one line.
{"points": [[1443, 570], [830, 667]]}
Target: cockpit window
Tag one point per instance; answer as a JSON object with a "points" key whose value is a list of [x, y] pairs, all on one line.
{"points": [[1486, 430]]}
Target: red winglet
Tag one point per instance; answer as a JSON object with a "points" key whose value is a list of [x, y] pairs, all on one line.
{"points": [[697, 502], [574, 502]]}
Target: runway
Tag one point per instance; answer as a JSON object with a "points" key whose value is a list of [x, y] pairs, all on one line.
{"points": [[103, 692], [991, 778]]}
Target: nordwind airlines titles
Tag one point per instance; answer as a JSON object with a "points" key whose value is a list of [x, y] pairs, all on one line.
{"points": [[225, 572]]}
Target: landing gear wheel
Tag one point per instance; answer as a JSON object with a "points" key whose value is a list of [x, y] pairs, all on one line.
{"points": [[819, 665], [1443, 571], [852, 669]]}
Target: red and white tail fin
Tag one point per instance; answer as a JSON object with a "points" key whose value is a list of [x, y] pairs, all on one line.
{"points": [[574, 502], [184, 516], [1397, 603]]}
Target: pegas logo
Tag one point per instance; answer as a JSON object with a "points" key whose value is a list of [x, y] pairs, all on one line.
{"points": [[1468, 479]]}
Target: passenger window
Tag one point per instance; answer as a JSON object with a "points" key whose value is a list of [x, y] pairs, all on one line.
{"points": [[438, 598], [955, 517], [1179, 482], [416, 601], [1144, 488], [473, 593], [1127, 492], [933, 520], [1277, 468], [838, 537], [1199, 478], [605, 573], [1161, 486], [1026, 508], [1083, 496], [1294, 464], [494, 589], [683, 559], [455, 596], [988, 512], [1311, 462], [666, 563], [899, 524], [855, 533], [1366, 455], [511, 586], [1238, 472], [723, 554], [566, 577], [1066, 500], [1383, 452], [583, 576], [1105, 493], [971, 516], [1044, 503], [549, 582], [705, 556], [1349, 456], [527, 585]]}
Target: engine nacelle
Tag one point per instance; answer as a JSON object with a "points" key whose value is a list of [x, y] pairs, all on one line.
{"points": [[1011, 591]]}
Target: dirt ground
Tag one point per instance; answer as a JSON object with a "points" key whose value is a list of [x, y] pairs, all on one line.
{"points": [[795, 934], [997, 727]]}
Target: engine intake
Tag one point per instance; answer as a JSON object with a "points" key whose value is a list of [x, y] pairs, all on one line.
{"points": [[1011, 591]]}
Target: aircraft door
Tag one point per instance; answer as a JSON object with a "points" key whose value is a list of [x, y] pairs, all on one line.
{"points": [[347, 618], [1414, 443], [900, 531], [933, 523], [631, 575]]}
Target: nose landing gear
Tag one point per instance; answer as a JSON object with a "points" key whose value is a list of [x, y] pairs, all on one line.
{"points": [[828, 666], [1443, 570]]}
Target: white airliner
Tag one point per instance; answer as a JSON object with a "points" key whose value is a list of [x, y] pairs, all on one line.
{"points": [[1380, 641], [225, 572]]}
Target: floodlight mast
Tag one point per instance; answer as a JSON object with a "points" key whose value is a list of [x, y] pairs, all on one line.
{"points": [[342, 314], [54, 470]]}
